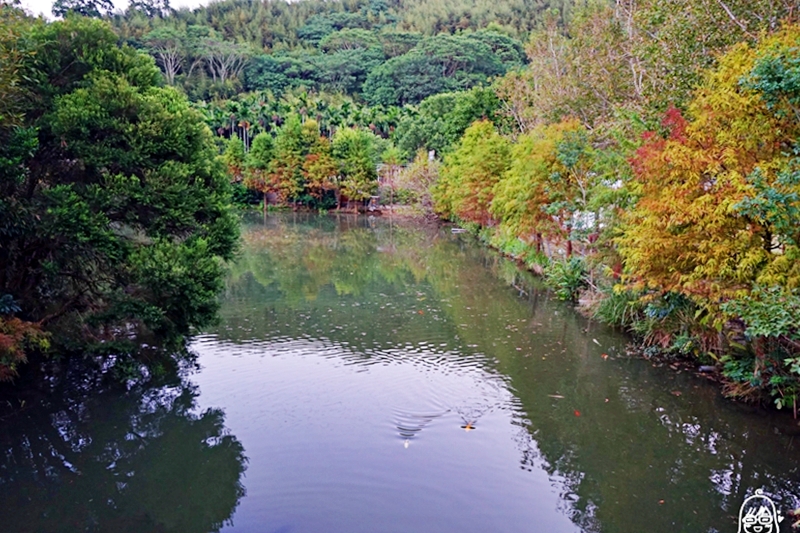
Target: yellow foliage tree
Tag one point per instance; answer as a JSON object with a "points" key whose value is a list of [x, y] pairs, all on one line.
{"points": [[716, 193], [545, 183], [466, 186]]}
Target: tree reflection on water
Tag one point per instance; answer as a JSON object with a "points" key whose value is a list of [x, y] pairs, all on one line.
{"points": [[93, 456], [632, 448]]}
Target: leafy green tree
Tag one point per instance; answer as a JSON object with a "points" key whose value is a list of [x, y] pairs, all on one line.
{"points": [[509, 50], [357, 153], [443, 118], [14, 55], [86, 8], [261, 152], [438, 64], [257, 164], [396, 42], [320, 26], [168, 45], [295, 140], [466, 187], [286, 167], [234, 157], [278, 73], [224, 60], [115, 218], [346, 69], [320, 170], [348, 39]]}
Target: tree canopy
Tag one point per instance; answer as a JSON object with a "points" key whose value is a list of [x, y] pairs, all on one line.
{"points": [[113, 209]]}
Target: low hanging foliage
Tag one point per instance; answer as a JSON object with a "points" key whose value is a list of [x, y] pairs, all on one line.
{"points": [[114, 209], [16, 338]]}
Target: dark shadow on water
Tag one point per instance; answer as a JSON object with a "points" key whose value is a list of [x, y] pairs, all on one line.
{"points": [[94, 456]]}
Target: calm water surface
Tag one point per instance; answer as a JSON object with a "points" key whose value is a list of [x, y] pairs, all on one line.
{"points": [[370, 375]]}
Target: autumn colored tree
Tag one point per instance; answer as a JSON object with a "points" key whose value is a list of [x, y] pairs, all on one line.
{"points": [[717, 222], [717, 212], [320, 169], [285, 170], [466, 187], [547, 184]]}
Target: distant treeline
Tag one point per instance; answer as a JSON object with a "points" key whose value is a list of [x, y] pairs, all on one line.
{"points": [[391, 52]]}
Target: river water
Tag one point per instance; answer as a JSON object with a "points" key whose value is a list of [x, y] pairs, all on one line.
{"points": [[375, 375]]}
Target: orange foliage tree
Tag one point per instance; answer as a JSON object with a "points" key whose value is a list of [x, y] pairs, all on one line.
{"points": [[719, 191], [320, 169], [16, 337]]}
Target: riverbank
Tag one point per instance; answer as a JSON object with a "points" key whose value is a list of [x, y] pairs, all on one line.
{"points": [[586, 284]]}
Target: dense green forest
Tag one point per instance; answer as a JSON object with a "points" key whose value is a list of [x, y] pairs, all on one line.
{"points": [[114, 210], [642, 155]]}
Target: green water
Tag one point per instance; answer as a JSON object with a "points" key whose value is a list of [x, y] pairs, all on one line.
{"points": [[374, 375]]}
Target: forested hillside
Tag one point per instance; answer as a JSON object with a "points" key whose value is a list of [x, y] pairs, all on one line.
{"points": [[392, 53]]}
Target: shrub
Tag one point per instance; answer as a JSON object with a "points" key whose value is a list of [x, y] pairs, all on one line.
{"points": [[567, 277]]}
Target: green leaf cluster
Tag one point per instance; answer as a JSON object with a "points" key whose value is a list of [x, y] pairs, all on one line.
{"points": [[113, 207]]}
